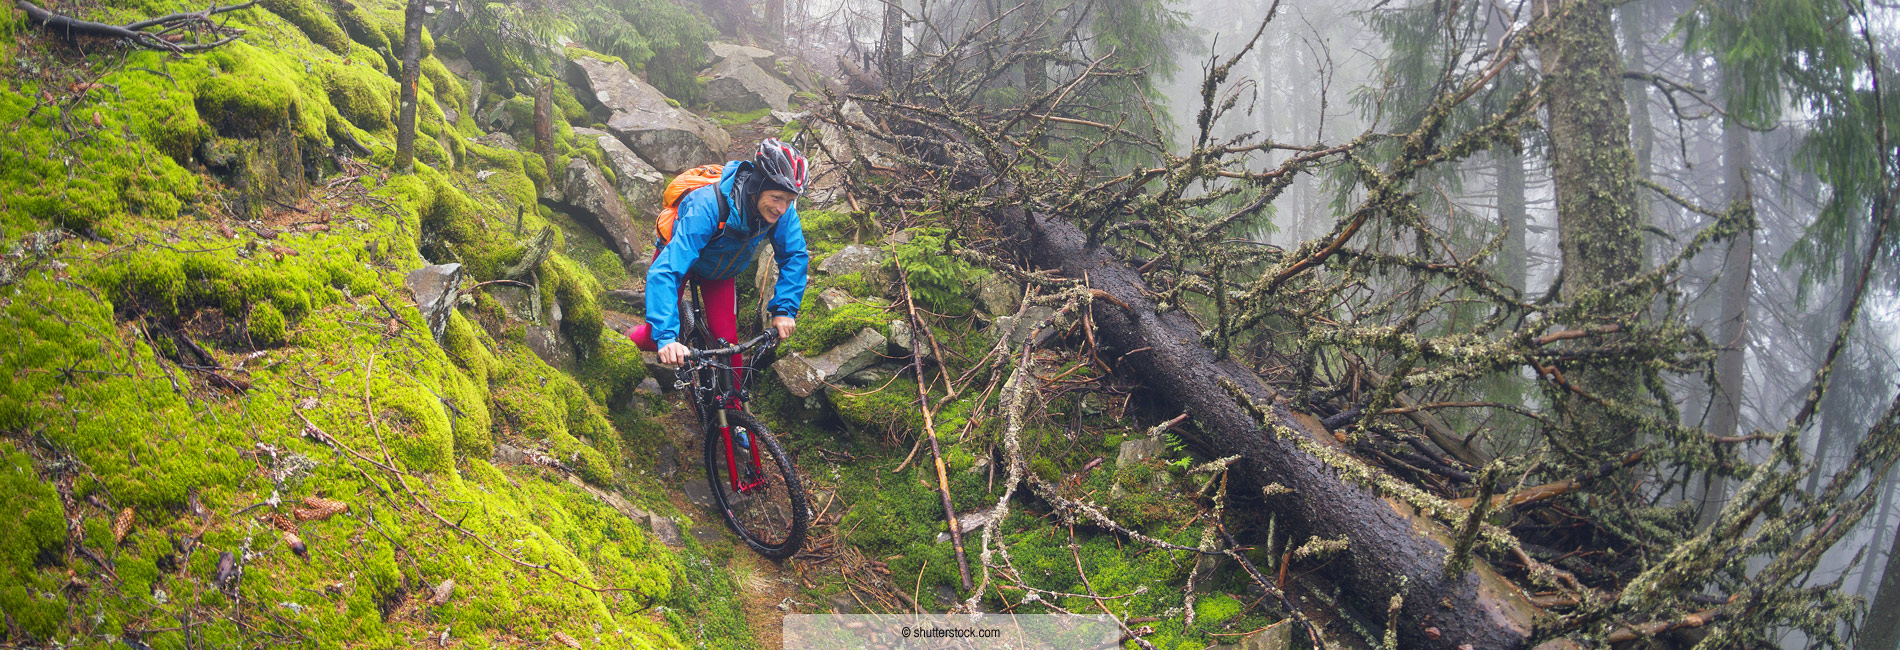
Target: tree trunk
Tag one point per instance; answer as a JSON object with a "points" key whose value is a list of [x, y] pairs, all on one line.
{"points": [[1642, 133], [1513, 216], [1736, 285], [411, 72], [544, 124], [1035, 74], [890, 48], [1881, 630], [1835, 418], [1597, 224], [1872, 566], [775, 22], [1392, 550]]}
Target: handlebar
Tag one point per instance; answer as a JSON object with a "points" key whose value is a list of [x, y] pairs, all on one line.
{"points": [[768, 338]]}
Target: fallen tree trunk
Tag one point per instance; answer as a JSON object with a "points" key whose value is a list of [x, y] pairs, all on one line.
{"points": [[1392, 552]]}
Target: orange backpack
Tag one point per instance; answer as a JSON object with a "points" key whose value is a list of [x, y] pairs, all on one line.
{"points": [[686, 182]]}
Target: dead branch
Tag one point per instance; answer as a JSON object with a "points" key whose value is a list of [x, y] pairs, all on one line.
{"points": [[164, 39]]}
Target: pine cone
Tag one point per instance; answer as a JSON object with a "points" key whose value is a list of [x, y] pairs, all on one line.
{"points": [[296, 545], [121, 526], [442, 592], [280, 522], [319, 508], [566, 640]]}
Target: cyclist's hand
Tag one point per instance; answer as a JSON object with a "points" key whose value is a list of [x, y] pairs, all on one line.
{"points": [[674, 353], [785, 326]]}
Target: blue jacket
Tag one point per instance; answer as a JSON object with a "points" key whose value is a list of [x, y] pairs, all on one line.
{"points": [[724, 257]]}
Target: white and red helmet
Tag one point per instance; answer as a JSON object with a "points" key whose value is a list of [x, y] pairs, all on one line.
{"points": [[781, 164]]}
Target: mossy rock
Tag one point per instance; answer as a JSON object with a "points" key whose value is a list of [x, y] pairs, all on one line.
{"points": [[245, 105], [313, 21], [362, 95], [267, 326]]}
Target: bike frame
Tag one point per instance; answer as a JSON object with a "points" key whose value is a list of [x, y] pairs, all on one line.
{"points": [[723, 396]]}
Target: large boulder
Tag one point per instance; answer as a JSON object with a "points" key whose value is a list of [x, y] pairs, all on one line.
{"points": [[804, 376], [435, 289], [723, 52], [865, 138], [851, 259], [639, 182], [800, 75], [670, 138], [585, 194], [741, 86]]}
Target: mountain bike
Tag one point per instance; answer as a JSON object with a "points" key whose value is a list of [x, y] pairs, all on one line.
{"points": [[754, 484]]}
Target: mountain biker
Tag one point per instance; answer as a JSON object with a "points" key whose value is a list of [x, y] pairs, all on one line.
{"points": [[760, 195]]}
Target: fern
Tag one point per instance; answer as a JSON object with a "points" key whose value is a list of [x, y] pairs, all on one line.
{"points": [[939, 280]]}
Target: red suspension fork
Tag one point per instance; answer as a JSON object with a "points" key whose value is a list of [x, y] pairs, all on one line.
{"points": [[732, 460]]}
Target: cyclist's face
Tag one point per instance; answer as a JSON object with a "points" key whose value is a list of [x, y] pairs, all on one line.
{"points": [[774, 203]]}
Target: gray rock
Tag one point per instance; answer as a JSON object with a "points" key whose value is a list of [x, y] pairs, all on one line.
{"points": [[664, 373], [1018, 329], [669, 138], [666, 530], [551, 345], [666, 463], [628, 297], [805, 376], [874, 376], [507, 454], [586, 194], [968, 522], [699, 493], [498, 140], [706, 533], [850, 259], [863, 139], [648, 386], [800, 75], [451, 116], [843, 603], [639, 183], [787, 117], [722, 52], [900, 339], [739, 85], [1137, 450], [998, 295], [981, 466], [834, 298], [1207, 573], [1278, 636], [434, 289], [946, 595]]}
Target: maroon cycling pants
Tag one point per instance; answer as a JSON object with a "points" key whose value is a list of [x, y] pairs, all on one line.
{"points": [[722, 318]]}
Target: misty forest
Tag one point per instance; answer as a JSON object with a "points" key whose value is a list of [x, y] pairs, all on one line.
{"points": [[1265, 324]]}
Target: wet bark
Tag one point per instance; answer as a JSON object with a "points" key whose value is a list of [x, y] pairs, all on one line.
{"points": [[544, 123], [890, 49], [1881, 630], [1513, 216], [1736, 284], [411, 72], [1598, 228], [1392, 551]]}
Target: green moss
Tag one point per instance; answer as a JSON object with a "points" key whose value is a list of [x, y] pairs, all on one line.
{"points": [[729, 119], [361, 95], [267, 325], [821, 329], [444, 86], [313, 21]]}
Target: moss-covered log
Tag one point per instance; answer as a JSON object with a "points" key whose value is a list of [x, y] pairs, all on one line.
{"points": [[1393, 552]]}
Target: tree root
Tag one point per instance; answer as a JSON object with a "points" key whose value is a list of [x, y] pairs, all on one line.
{"points": [[165, 40]]}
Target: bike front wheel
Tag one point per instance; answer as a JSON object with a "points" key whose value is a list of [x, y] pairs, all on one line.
{"points": [[755, 486]]}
